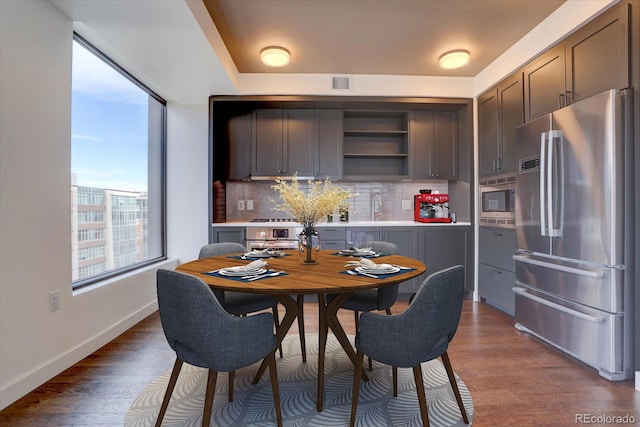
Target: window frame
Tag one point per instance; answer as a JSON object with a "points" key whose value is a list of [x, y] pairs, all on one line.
{"points": [[162, 136]]}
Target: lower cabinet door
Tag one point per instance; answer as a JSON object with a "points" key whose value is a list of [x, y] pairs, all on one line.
{"points": [[496, 287]]}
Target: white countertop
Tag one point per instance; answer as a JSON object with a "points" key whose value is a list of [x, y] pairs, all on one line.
{"points": [[346, 224]]}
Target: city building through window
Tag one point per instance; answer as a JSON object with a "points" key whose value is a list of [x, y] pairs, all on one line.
{"points": [[117, 169]]}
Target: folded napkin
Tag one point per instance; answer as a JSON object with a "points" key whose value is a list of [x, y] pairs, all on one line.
{"points": [[253, 265], [367, 263]]}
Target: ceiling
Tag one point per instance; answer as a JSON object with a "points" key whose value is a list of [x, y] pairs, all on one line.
{"points": [[382, 37]]}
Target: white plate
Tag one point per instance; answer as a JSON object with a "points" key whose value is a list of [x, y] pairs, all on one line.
{"points": [[388, 270], [263, 254], [233, 273], [356, 253]]}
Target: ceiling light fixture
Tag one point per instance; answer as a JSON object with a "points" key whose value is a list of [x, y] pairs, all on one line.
{"points": [[454, 59], [275, 56]]}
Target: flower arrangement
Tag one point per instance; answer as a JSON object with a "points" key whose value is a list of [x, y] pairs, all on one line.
{"points": [[310, 207]]}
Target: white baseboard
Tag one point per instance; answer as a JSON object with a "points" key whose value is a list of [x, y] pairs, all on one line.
{"points": [[44, 373]]}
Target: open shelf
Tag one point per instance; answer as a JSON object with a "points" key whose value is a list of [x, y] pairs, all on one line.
{"points": [[376, 144]]}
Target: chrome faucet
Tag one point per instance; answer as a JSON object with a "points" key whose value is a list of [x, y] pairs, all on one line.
{"points": [[376, 206]]}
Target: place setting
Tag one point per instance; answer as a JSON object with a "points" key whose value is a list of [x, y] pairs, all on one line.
{"points": [[368, 268], [256, 254], [255, 270], [359, 252]]}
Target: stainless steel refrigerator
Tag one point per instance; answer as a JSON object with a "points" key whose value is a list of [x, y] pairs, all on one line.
{"points": [[574, 224]]}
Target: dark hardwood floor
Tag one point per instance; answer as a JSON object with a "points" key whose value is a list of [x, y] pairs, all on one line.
{"points": [[514, 379]]}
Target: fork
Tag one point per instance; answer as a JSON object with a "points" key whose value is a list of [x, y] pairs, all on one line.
{"points": [[356, 273], [262, 276]]}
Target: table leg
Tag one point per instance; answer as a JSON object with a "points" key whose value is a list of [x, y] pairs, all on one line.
{"points": [[338, 331], [303, 343], [323, 327], [328, 318], [291, 312]]}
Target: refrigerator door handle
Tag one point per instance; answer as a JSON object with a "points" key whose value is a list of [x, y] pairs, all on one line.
{"points": [[564, 268], [543, 168], [555, 183], [588, 317]]}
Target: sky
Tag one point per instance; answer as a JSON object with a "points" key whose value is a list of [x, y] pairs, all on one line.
{"points": [[109, 124]]}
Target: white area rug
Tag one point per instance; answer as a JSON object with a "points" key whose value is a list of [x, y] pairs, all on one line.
{"points": [[253, 404]]}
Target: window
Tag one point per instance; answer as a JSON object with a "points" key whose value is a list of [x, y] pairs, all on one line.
{"points": [[117, 169]]}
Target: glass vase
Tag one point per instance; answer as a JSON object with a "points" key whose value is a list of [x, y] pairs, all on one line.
{"points": [[309, 245]]}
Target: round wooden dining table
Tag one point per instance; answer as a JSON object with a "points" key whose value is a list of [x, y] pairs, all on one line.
{"points": [[326, 277]]}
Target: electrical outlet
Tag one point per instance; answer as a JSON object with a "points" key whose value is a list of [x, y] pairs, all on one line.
{"points": [[249, 205], [406, 205], [240, 205], [54, 301]]}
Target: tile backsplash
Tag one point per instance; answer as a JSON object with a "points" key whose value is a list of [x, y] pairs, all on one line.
{"points": [[261, 196]]}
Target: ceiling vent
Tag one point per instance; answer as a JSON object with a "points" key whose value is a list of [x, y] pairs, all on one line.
{"points": [[341, 83]]}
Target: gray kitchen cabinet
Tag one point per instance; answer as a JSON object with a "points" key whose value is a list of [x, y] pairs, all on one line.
{"points": [[487, 131], [495, 287], [496, 267], [593, 59], [332, 238], [239, 143], [283, 142], [544, 84], [446, 246], [328, 144], [598, 54], [375, 145], [227, 234], [408, 241], [500, 111], [444, 158], [433, 138]]}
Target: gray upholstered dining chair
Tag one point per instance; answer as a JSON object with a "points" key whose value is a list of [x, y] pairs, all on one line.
{"points": [[419, 334], [238, 303], [203, 334], [242, 303]]}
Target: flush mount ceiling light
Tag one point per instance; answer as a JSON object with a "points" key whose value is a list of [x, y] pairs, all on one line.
{"points": [[274, 56], [454, 59]]}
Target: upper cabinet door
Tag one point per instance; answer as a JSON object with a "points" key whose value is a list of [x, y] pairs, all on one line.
{"points": [[267, 143], [598, 55], [283, 142], [444, 155], [239, 142], [328, 148], [420, 140], [487, 132], [544, 83], [510, 116], [298, 143]]}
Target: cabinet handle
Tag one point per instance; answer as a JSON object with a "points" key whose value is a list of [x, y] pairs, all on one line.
{"points": [[569, 97], [498, 164], [561, 102], [497, 234], [497, 271], [494, 165]]}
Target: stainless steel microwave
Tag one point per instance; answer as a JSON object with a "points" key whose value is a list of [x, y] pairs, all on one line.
{"points": [[498, 201]]}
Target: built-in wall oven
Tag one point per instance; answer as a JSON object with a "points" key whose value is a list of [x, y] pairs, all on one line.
{"points": [[498, 201], [273, 234]]}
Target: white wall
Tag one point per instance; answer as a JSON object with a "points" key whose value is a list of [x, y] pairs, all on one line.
{"points": [[187, 178], [35, 201]]}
